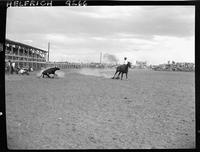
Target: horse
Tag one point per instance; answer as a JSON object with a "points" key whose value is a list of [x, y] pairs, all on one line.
{"points": [[49, 71], [122, 69]]}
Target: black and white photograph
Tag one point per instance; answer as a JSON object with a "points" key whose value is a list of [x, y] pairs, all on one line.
{"points": [[100, 77]]}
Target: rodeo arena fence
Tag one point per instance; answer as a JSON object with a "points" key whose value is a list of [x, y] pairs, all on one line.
{"points": [[26, 56]]}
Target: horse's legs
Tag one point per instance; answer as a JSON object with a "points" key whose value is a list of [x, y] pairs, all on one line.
{"points": [[126, 75], [118, 74], [114, 74], [122, 75]]}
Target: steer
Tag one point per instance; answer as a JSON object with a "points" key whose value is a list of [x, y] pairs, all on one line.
{"points": [[49, 71]]}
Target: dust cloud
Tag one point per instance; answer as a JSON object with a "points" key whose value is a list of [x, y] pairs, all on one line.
{"points": [[105, 73], [110, 58], [60, 74]]}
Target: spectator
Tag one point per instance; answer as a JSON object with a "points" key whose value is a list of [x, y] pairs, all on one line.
{"points": [[12, 67], [9, 66], [125, 60]]}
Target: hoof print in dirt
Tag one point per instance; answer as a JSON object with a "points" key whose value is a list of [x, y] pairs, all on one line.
{"points": [[92, 139], [114, 138], [128, 101]]}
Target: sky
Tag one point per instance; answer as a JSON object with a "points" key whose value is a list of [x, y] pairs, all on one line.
{"points": [[155, 34]]}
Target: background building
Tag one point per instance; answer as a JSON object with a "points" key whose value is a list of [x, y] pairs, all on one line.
{"points": [[25, 55], [141, 64]]}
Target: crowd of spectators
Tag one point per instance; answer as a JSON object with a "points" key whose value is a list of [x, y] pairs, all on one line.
{"points": [[179, 66]]}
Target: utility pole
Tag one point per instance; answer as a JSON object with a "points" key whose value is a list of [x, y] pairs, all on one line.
{"points": [[48, 50], [100, 57]]}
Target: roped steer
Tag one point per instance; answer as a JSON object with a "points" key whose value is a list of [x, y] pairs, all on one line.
{"points": [[49, 71]]}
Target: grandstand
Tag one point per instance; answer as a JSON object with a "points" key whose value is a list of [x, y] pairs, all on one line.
{"points": [[25, 55]]}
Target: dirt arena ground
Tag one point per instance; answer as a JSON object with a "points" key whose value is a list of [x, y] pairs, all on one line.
{"points": [[152, 109]]}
